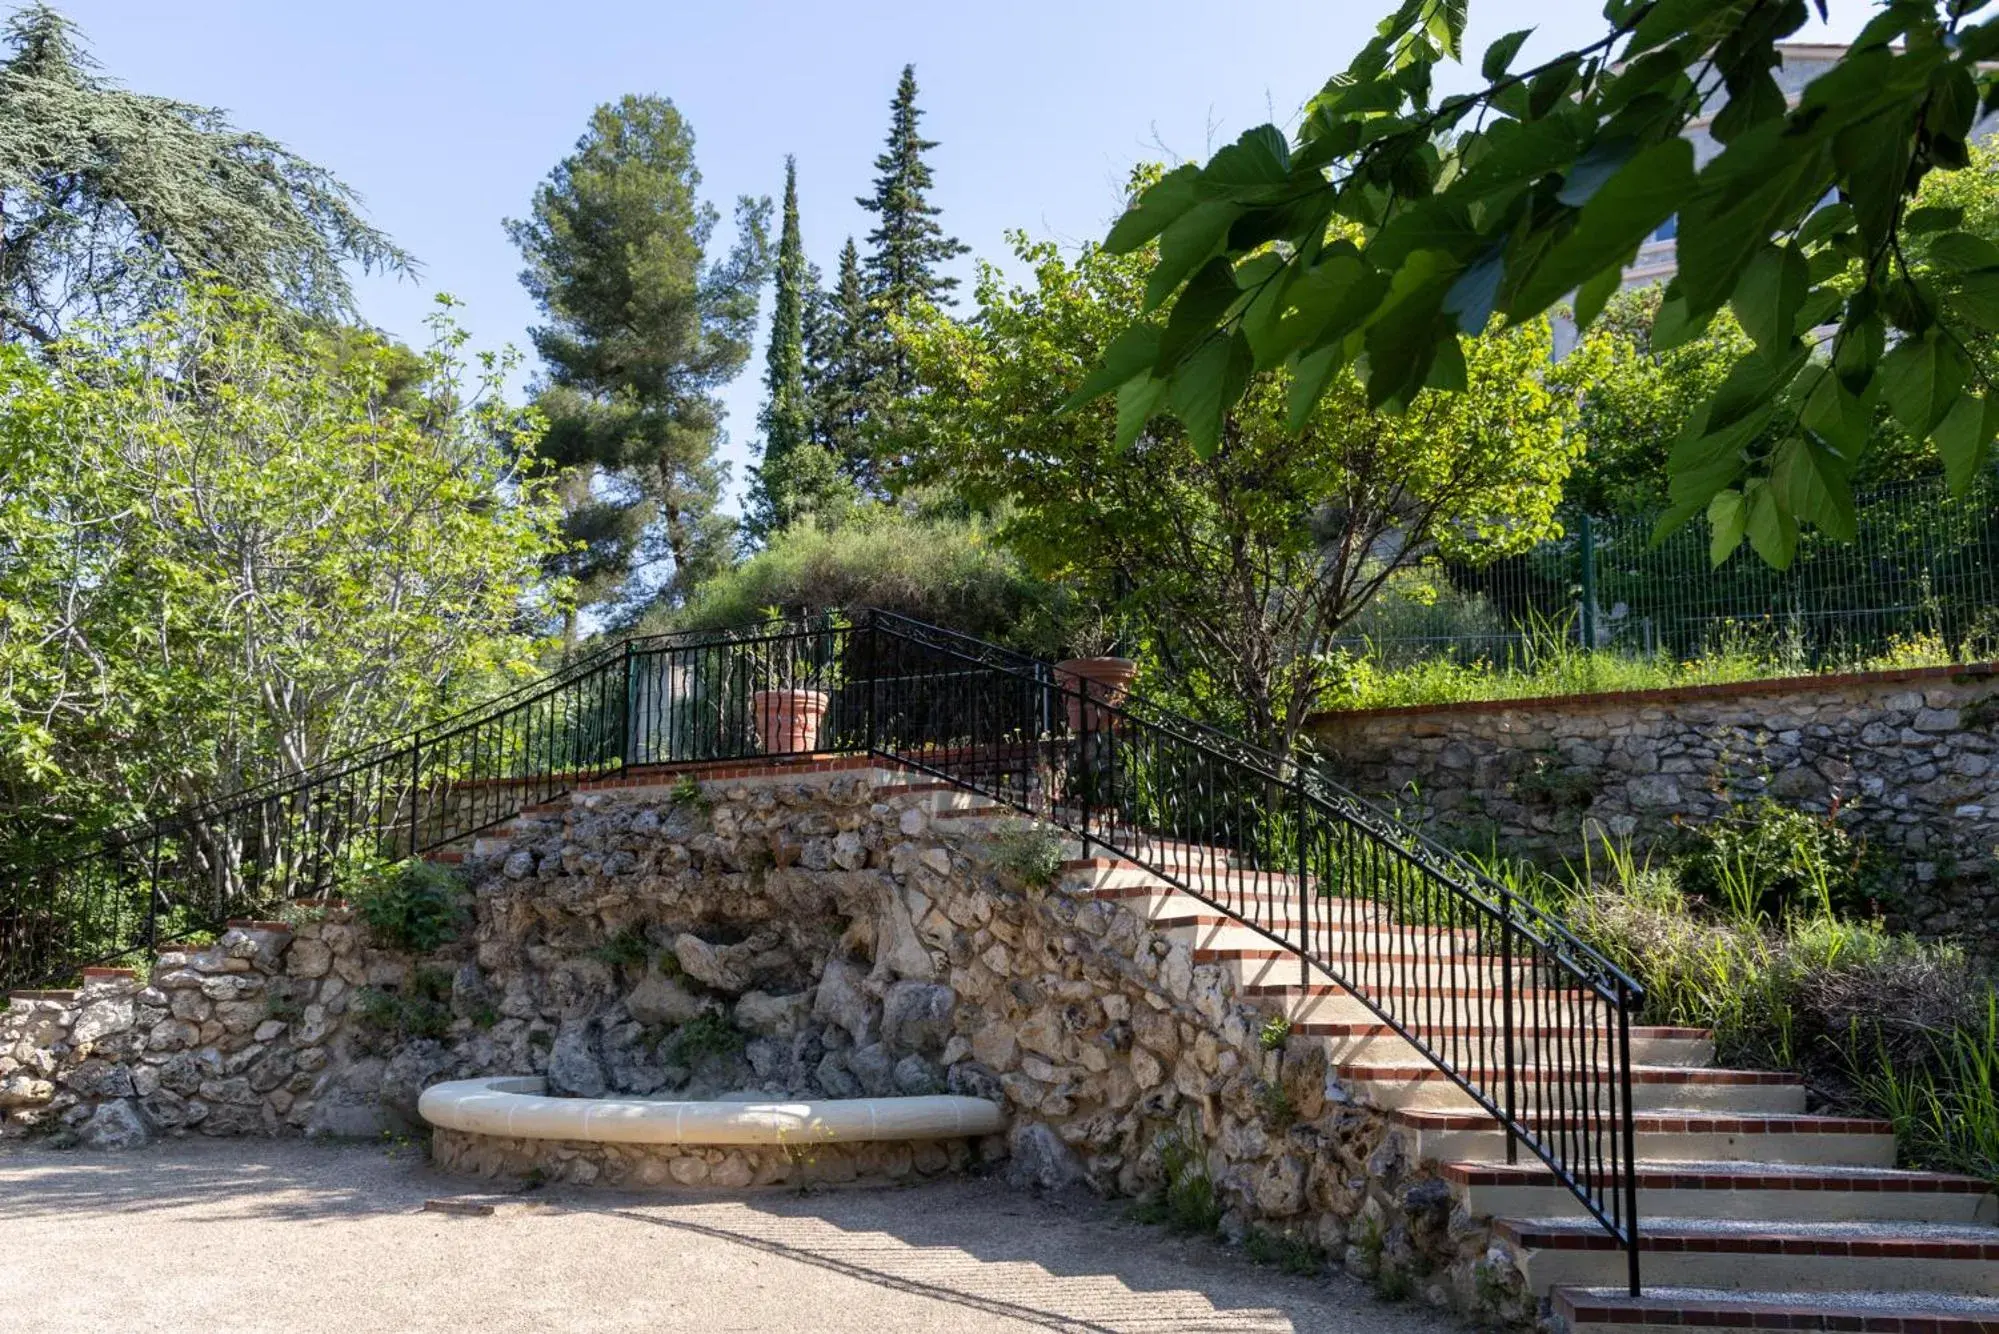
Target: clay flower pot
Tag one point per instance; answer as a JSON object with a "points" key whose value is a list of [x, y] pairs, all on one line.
{"points": [[1105, 679], [788, 720]]}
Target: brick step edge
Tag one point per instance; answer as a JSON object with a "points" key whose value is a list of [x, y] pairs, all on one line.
{"points": [[1753, 1176], [1365, 1029], [1897, 1313], [1658, 1236], [1666, 1123], [1640, 1074]]}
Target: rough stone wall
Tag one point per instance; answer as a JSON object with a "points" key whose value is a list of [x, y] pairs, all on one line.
{"points": [[797, 936], [1910, 761]]}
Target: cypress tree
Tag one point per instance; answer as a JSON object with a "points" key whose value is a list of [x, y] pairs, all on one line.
{"points": [[797, 476]]}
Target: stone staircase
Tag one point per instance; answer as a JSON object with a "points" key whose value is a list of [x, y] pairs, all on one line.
{"points": [[1754, 1213]]}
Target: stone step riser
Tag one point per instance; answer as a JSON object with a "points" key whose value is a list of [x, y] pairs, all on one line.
{"points": [[1646, 1096], [1483, 1051], [1464, 1009], [1231, 936], [1430, 975], [1821, 1150], [1804, 1206], [1762, 1272]]}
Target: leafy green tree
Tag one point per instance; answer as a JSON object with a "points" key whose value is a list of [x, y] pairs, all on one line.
{"points": [[1397, 222], [229, 550], [797, 475], [1239, 562], [644, 329], [110, 200]]}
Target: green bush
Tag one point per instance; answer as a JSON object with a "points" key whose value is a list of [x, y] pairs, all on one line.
{"points": [[1880, 1024], [412, 905], [1030, 852], [947, 571], [1769, 860], [707, 1034]]}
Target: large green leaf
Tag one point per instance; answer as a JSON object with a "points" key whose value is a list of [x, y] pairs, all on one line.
{"points": [[1920, 378], [1964, 438], [1771, 529], [1130, 353], [1187, 245], [1206, 386], [1727, 516], [1159, 207], [1629, 207], [1813, 484], [1767, 298], [1137, 400], [1207, 298], [1500, 54]]}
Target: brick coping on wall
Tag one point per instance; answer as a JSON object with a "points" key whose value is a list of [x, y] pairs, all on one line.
{"points": [[1776, 685]]}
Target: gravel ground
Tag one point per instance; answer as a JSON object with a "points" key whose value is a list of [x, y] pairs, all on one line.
{"points": [[284, 1235]]}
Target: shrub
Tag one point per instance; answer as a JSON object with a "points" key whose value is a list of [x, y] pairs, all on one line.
{"points": [[1028, 851], [1294, 1255], [707, 1034], [412, 905], [1769, 860], [423, 1012], [948, 571], [1274, 1031], [629, 948], [1879, 1024], [1187, 1203]]}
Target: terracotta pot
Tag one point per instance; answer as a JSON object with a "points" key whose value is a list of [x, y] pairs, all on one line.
{"points": [[788, 720], [1105, 679]]}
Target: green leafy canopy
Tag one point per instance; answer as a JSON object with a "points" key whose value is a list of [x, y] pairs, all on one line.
{"points": [[1395, 223]]}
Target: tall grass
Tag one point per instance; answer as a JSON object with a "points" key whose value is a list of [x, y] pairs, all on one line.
{"points": [[1880, 1024], [1549, 660]]}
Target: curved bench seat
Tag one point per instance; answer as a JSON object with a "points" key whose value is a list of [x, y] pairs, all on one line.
{"points": [[518, 1107]]}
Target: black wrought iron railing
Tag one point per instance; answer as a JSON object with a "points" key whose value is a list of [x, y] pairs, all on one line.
{"points": [[1507, 1003]]}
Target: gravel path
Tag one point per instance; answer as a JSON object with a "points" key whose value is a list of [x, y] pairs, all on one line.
{"points": [[284, 1235]]}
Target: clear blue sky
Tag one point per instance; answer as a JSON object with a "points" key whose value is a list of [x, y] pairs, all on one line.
{"points": [[444, 116]]}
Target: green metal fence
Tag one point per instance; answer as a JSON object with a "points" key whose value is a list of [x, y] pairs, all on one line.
{"points": [[1924, 566]]}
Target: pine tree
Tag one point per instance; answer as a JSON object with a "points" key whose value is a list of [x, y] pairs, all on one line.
{"points": [[797, 476], [644, 329]]}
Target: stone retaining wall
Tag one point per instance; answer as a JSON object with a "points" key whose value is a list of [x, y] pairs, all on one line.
{"points": [[812, 937], [1910, 760], [588, 1163]]}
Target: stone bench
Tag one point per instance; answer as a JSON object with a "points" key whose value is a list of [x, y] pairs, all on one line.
{"points": [[509, 1127], [518, 1107]]}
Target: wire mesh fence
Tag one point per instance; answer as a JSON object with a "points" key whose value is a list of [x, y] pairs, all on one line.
{"points": [[1922, 569]]}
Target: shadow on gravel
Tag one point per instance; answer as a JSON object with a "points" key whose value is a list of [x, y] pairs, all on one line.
{"points": [[1068, 1263]]}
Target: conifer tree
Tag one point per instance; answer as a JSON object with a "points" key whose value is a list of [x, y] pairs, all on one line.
{"points": [[644, 327], [907, 246], [842, 363], [797, 475]]}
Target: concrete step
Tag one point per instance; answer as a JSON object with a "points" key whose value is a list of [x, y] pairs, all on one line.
{"points": [[1528, 1189], [1467, 1004], [1758, 1256], [1207, 928], [1269, 964], [1616, 1311], [1706, 1137], [1374, 1043], [1653, 1088]]}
